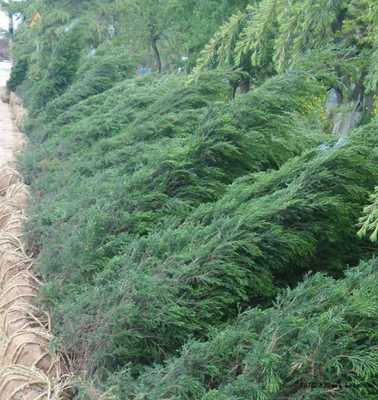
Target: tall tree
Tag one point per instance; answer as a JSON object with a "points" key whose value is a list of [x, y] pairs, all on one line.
{"points": [[10, 7], [146, 22]]}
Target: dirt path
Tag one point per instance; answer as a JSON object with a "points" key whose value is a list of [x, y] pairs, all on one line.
{"points": [[11, 140], [28, 371]]}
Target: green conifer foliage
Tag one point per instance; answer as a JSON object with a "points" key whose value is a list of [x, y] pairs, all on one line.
{"points": [[167, 214], [187, 273], [317, 342], [369, 222], [271, 34]]}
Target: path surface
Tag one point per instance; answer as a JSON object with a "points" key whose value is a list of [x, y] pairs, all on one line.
{"points": [[11, 139], [28, 371]]}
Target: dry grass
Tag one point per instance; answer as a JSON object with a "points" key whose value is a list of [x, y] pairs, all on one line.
{"points": [[28, 370], [18, 111]]}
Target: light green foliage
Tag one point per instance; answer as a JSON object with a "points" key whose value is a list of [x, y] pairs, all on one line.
{"points": [[221, 49], [371, 20], [51, 50], [271, 34], [369, 222], [176, 27], [257, 41], [306, 25], [150, 32]]}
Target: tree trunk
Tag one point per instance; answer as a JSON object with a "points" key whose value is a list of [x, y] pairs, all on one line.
{"points": [[11, 25], [234, 90], [245, 85], [155, 49]]}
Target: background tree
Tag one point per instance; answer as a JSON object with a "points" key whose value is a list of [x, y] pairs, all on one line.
{"points": [[12, 7]]}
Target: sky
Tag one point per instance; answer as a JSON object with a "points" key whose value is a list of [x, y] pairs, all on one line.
{"points": [[3, 21]]}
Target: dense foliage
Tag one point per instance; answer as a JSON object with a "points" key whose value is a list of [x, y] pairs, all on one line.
{"points": [[270, 35], [369, 221], [318, 342], [169, 213]]}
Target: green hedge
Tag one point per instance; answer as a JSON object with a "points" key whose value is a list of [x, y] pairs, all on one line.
{"points": [[188, 275], [195, 245], [129, 171]]}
